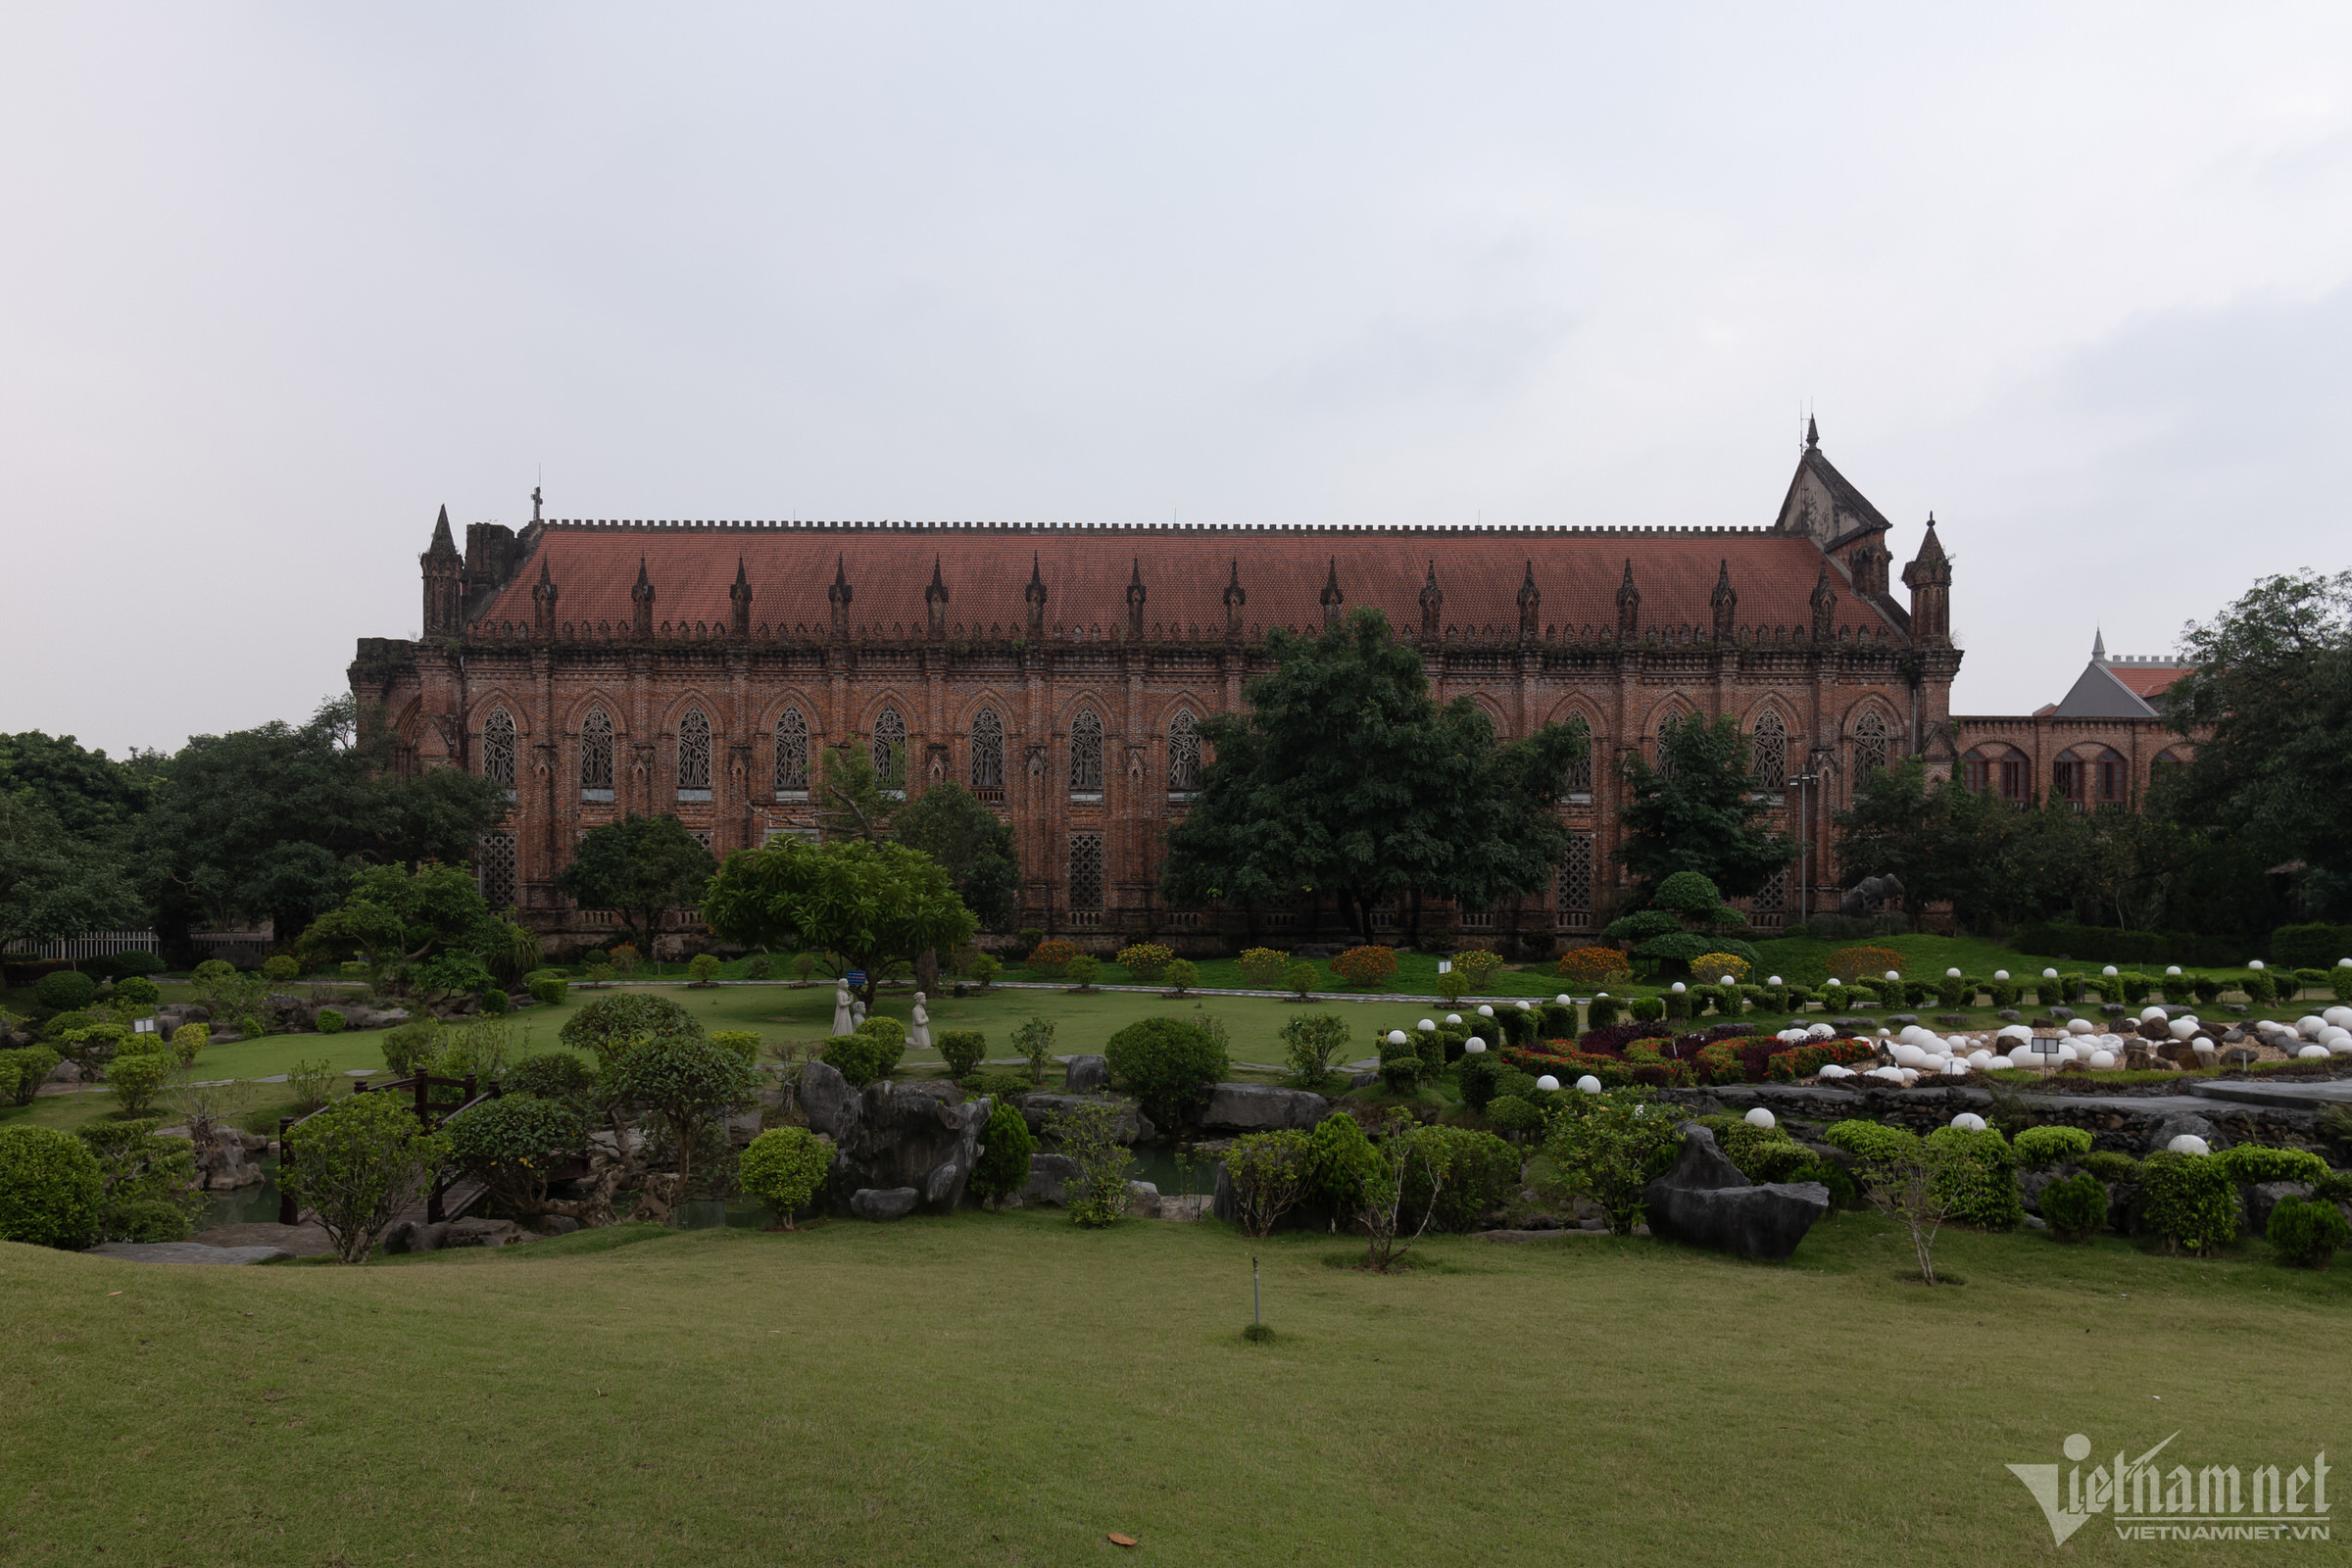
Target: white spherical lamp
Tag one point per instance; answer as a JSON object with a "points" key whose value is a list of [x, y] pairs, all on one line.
{"points": [[2110, 972], [1588, 1085], [1453, 1018], [1485, 1011], [2189, 1144], [2050, 974], [1951, 974], [1727, 980], [1474, 1046], [1680, 988], [1429, 1026], [2254, 963], [2172, 972], [1968, 1121], [1547, 1083], [1774, 981], [1894, 974], [1564, 999], [1395, 1037], [2000, 974], [1760, 1117]]}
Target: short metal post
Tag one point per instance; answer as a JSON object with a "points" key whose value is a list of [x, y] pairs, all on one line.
{"points": [[285, 1163]]}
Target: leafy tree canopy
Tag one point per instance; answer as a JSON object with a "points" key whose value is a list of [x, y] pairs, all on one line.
{"points": [[430, 921], [53, 884], [641, 867], [272, 821], [2268, 700], [971, 844], [91, 794], [1702, 811], [873, 904], [852, 803], [1345, 777]]}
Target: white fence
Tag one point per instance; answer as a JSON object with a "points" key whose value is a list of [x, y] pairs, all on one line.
{"points": [[89, 945]]}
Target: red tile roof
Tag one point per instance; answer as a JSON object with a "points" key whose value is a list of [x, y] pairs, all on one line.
{"points": [[2146, 680], [1184, 571]]}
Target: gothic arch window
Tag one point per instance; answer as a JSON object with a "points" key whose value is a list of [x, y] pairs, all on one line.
{"points": [[1870, 744], [792, 752], [1768, 750], [1580, 771], [988, 754], [693, 756], [1665, 750], [1184, 754], [595, 756], [1086, 878], [2109, 779], [497, 750], [890, 749], [494, 869], [1086, 753]]}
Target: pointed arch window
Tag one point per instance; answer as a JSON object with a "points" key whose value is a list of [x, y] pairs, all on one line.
{"points": [[988, 755], [1767, 751], [693, 756], [792, 756], [595, 756], [497, 750], [1184, 754], [890, 749], [1870, 743], [1666, 730], [1086, 754]]}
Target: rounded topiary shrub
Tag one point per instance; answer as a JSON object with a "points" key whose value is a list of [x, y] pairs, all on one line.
{"points": [[610, 1024], [550, 990], [66, 991], [330, 1021], [2188, 1202], [1168, 1063], [2305, 1231], [2257, 1162], [867, 1055], [49, 1187], [1005, 1145], [138, 994], [1980, 1187], [2075, 1209], [962, 1050], [138, 960], [551, 1075], [2048, 1146], [783, 1167], [279, 968], [495, 1003]]}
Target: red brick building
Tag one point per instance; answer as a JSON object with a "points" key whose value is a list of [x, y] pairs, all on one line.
{"points": [[2098, 746], [1063, 673]]}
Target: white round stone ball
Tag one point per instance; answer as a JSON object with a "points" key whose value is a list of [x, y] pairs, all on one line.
{"points": [[1760, 1117], [2146, 1013], [2000, 1061], [1527, 1006], [2182, 1028], [1589, 1083], [1910, 1055], [1894, 974], [1820, 1031], [1981, 1058], [2189, 1144], [1547, 1083], [2079, 1026], [2102, 1058], [2341, 1017], [2344, 964], [1968, 1121], [2314, 1053], [2310, 1025]]}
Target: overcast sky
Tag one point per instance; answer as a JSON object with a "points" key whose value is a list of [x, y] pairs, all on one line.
{"points": [[279, 282]]}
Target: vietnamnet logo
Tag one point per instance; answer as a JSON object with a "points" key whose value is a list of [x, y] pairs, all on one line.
{"points": [[2148, 1501]]}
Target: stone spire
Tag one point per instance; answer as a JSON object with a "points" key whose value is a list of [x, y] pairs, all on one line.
{"points": [[1235, 598], [543, 603], [935, 601], [1812, 433], [840, 594], [1726, 603], [1333, 599], [1629, 605], [444, 582], [1135, 595], [1930, 579], [1531, 605], [642, 595], [1035, 594], [1825, 608], [739, 597], [1432, 602]]}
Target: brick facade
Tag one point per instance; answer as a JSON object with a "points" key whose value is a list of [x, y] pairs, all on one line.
{"points": [[697, 667]]}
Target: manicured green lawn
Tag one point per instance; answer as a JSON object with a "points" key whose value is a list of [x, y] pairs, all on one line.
{"points": [[1007, 1389]]}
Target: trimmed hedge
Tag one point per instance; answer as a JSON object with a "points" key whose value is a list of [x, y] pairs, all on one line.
{"points": [[50, 1186], [2311, 947], [2099, 943]]}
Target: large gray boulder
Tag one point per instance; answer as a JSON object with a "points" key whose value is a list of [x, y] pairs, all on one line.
{"points": [[1704, 1201], [883, 1203], [1085, 1074], [1039, 1112], [1050, 1176], [172, 1014], [225, 1162], [894, 1135], [2172, 1127], [1257, 1109], [2260, 1198]]}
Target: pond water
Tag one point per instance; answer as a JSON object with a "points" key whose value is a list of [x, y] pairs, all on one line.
{"points": [[247, 1205]]}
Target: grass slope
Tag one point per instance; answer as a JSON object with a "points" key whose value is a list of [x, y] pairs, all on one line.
{"points": [[1006, 1390]]}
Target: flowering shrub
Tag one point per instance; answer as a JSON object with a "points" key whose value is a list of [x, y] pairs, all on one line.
{"points": [[1850, 964], [1367, 968], [1049, 957], [1146, 961], [1477, 965], [1595, 967], [1803, 1062], [1263, 967], [1713, 966]]}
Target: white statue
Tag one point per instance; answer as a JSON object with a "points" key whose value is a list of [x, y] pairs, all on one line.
{"points": [[857, 1012], [842, 1022], [918, 1038]]}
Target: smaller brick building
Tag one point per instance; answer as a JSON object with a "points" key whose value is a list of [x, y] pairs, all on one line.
{"points": [[2099, 745]]}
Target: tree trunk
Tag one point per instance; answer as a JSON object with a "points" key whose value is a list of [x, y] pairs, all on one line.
{"points": [[926, 971]]}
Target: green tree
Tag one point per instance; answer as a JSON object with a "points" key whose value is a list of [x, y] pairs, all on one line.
{"points": [[53, 884], [92, 796], [1005, 1145], [1346, 777], [971, 844], [640, 867], [429, 926], [783, 1169], [852, 801], [2269, 702], [511, 1142], [685, 1084], [1702, 811], [873, 904], [357, 1164], [272, 821]]}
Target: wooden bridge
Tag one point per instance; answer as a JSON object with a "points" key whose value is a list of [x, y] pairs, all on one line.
{"points": [[451, 1197]]}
